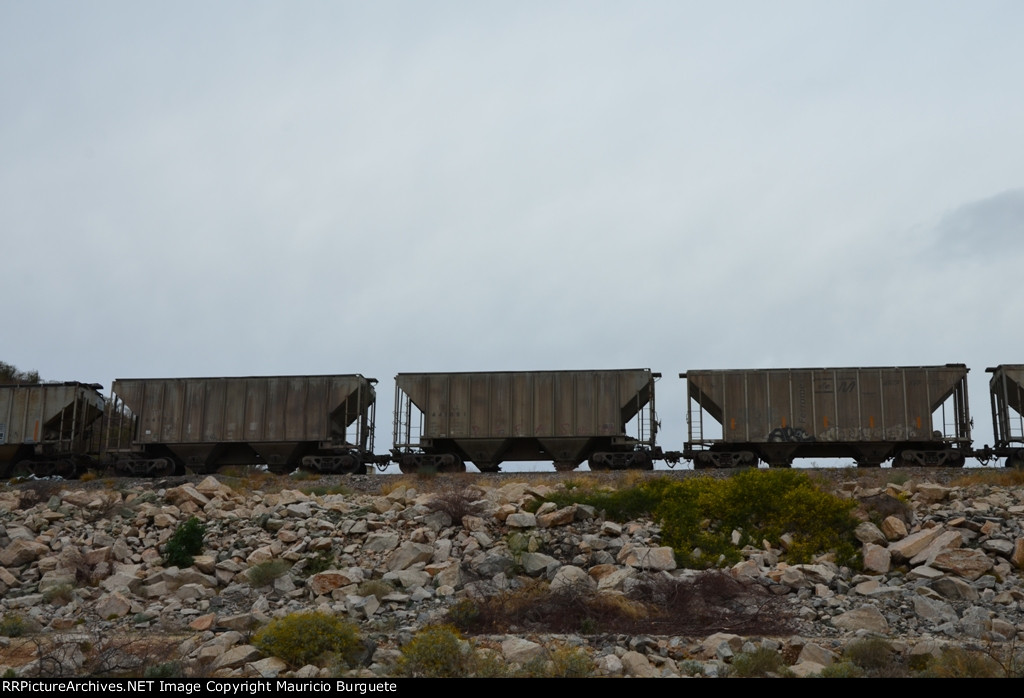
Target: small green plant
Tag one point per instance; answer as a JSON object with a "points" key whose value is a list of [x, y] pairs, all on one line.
{"points": [[264, 573], [842, 670], [870, 654], [562, 663], [960, 663], [14, 625], [164, 670], [59, 594], [303, 638], [376, 587], [185, 544], [691, 667], [761, 662], [436, 652], [321, 562], [464, 614]]}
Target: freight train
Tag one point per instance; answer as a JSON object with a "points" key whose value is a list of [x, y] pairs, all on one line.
{"points": [[908, 416]]}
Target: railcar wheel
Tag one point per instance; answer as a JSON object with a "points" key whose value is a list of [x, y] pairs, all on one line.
{"points": [[162, 467], [1015, 460], [451, 464], [22, 469], [899, 461]]}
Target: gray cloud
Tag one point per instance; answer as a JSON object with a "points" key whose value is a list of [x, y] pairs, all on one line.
{"points": [[246, 188]]}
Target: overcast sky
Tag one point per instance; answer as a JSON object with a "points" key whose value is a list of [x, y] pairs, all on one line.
{"points": [[251, 188]]}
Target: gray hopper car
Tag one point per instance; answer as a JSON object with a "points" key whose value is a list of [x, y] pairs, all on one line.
{"points": [[162, 425], [914, 415], [443, 420], [48, 428], [1006, 390]]}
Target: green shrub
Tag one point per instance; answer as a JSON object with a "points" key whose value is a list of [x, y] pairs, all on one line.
{"points": [[376, 587], [59, 594], [842, 670], [321, 562], [870, 653], [436, 652], [563, 663], [702, 512], [303, 638], [264, 573], [463, 614], [761, 662], [959, 663], [165, 670], [186, 543], [13, 625]]}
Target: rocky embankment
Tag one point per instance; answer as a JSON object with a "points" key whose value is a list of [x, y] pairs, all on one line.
{"points": [[85, 589]]}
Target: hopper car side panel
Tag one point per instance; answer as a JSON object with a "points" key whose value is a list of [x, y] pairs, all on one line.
{"points": [[445, 419], [321, 422], [915, 415]]}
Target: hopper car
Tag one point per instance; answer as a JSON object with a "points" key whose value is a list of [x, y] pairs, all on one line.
{"points": [[909, 416], [1006, 390], [162, 425], [443, 420], [915, 415], [49, 428]]}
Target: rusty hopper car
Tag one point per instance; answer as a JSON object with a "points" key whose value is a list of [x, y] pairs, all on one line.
{"points": [[48, 429], [445, 419], [1006, 390], [914, 415], [323, 423]]}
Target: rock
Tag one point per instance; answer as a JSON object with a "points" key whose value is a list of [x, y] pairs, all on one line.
{"points": [[535, 564], [662, 558], [864, 618], [877, 559], [408, 554], [934, 611], [236, 657], [113, 605], [930, 493], [894, 528], [522, 519], [560, 517], [817, 654], [947, 540], [570, 577], [21, 552], [636, 664], [1017, 557], [186, 493], [903, 550], [326, 582], [521, 651], [867, 532], [966, 563], [267, 668]]}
